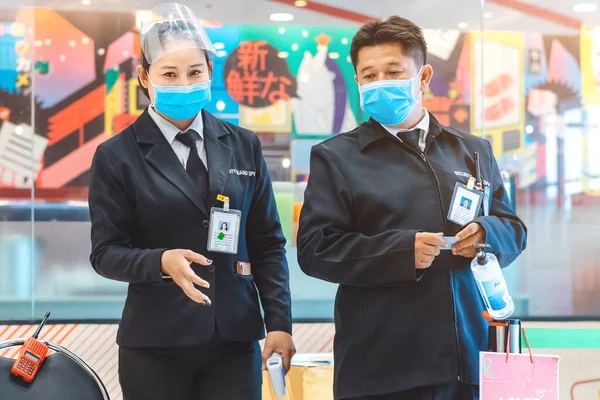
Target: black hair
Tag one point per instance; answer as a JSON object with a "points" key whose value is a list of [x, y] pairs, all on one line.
{"points": [[166, 31], [393, 30]]}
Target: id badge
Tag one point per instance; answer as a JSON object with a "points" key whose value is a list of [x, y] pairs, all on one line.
{"points": [[464, 205], [224, 230]]}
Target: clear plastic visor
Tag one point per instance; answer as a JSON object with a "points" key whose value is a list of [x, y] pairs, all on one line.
{"points": [[172, 27]]}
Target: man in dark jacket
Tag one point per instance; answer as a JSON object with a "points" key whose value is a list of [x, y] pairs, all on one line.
{"points": [[379, 202]]}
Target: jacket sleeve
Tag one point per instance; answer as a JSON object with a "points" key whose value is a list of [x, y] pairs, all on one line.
{"points": [[266, 247], [505, 232], [328, 246], [111, 214]]}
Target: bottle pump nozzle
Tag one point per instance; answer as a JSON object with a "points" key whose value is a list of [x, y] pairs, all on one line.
{"points": [[481, 256]]}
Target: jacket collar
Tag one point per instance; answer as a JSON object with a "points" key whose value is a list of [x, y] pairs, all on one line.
{"points": [[160, 155], [170, 131], [146, 130], [371, 131]]}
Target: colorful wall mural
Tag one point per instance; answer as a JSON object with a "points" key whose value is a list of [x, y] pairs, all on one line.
{"points": [[294, 86], [68, 83]]}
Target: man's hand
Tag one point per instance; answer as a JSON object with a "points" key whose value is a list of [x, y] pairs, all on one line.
{"points": [[282, 343], [427, 248], [465, 239], [176, 263]]}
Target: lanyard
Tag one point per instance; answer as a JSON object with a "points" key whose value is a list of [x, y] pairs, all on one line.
{"points": [[486, 200], [486, 189]]}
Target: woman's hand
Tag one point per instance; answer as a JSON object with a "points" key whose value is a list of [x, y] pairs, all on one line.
{"points": [[176, 263], [282, 343]]}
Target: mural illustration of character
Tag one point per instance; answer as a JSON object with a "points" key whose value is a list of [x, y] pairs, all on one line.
{"points": [[323, 106]]}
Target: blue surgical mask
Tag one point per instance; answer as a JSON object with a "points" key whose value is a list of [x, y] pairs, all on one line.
{"points": [[389, 102], [181, 102]]}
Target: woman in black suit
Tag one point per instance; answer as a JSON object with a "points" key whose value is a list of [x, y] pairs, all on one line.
{"points": [[190, 327]]}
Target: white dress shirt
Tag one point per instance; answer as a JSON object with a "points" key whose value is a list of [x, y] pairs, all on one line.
{"points": [[423, 125], [170, 131], [181, 150]]}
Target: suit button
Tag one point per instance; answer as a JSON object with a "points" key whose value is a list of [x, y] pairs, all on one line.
{"points": [[205, 224], [211, 268]]}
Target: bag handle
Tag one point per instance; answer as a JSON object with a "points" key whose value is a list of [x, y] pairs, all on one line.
{"points": [[526, 343]]}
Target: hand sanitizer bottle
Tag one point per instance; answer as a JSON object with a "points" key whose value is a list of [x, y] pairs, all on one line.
{"points": [[492, 286]]}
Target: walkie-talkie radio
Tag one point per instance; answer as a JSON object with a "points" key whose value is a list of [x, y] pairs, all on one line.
{"points": [[31, 356]]}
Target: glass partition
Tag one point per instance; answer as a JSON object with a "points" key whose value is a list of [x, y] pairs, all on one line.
{"points": [[21, 144], [526, 82], [553, 95]]}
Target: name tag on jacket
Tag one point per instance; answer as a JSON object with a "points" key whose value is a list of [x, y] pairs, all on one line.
{"points": [[241, 172]]}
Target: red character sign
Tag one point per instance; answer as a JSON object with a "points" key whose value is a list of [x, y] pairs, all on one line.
{"points": [[255, 75]]}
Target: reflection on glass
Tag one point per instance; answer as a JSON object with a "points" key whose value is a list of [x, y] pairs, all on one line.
{"points": [[535, 94]]}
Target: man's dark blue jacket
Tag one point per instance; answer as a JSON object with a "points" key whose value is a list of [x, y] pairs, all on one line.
{"points": [[367, 196]]}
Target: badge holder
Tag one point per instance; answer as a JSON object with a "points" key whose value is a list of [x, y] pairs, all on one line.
{"points": [[224, 228], [465, 203]]}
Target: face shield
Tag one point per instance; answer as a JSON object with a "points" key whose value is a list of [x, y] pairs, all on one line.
{"points": [[173, 27]]}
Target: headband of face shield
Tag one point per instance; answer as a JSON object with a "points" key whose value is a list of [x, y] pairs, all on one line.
{"points": [[173, 27]]}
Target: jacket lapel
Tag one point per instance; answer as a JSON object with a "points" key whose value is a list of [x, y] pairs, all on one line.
{"points": [[218, 154], [370, 132], [164, 160]]}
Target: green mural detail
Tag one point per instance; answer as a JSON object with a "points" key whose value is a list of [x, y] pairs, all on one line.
{"points": [[42, 67], [111, 77], [319, 59]]}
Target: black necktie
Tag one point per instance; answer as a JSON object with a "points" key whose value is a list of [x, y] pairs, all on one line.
{"points": [[412, 138], [195, 167]]}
